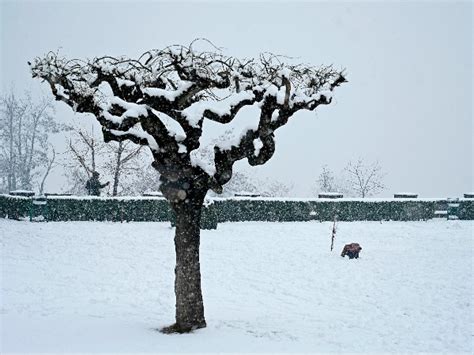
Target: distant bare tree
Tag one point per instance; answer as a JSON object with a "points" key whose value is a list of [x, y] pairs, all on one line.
{"points": [[244, 183], [147, 181], [326, 181], [25, 126], [83, 149], [241, 183], [364, 179], [51, 162], [117, 160], [275, 188], [124, 161]]}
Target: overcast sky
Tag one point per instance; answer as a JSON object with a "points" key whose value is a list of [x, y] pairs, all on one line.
{"points": [[408, 103]]}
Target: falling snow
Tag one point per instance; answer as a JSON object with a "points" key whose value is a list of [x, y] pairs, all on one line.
{"points": [[268, 287]]}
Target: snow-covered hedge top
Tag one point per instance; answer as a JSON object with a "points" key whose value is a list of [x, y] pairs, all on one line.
{"points": [[345, 199], [244, 198]]}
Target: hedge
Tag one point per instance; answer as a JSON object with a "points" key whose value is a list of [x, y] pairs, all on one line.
{"points": [[230, 210], [466, 209], [346, 210], [151, 209]]}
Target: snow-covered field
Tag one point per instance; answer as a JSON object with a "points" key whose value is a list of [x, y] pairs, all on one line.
{"points": [[268, 287]]}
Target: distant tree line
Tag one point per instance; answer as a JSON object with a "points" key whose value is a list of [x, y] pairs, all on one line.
{"points": [[27, 156]]}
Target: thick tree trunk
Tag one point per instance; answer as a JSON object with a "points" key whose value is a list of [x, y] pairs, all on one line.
{"points": [[189, 303]]}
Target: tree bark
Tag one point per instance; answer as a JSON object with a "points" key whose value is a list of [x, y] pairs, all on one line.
{"points": [[11, 162], [118, 167], [189, 303]]}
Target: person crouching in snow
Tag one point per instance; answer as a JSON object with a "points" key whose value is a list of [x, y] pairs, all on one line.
{"points": [[351, 250]]}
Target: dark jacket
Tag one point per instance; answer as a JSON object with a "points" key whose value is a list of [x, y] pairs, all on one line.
{"points": [[93, 186]]}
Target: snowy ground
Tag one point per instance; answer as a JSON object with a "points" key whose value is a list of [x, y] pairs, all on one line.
{"points": [[268, 287]]}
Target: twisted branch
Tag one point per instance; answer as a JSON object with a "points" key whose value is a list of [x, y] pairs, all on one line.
{"points": [[128, 95]]}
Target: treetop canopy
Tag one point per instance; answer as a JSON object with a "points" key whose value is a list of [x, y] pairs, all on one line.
{"points": [[162, 98]]}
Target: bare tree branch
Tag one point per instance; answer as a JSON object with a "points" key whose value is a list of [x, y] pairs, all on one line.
{"points": [[80, 159], [49, 167], [365, 179]]}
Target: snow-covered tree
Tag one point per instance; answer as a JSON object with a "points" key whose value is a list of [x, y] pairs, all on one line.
{"points": [[363, 179], [25, 126], [162, 99]]}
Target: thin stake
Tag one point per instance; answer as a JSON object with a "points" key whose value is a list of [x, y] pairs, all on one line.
{"points": [[333, 236]]}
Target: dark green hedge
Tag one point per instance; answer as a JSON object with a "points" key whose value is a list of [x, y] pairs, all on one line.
{"points": [[14, 207], [466, 209], [223, 210], [156, 210], [355, 210], [88, 209], [98, 209]]}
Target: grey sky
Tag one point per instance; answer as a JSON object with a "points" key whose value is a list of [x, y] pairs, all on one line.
{"points": [[408, 102]]}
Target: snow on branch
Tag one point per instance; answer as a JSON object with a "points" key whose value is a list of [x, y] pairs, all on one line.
{"points": [[135, 99]]}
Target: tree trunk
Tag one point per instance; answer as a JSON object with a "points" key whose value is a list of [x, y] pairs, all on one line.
{"points": [[189, 303], [11, 162], [118, 167]]}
